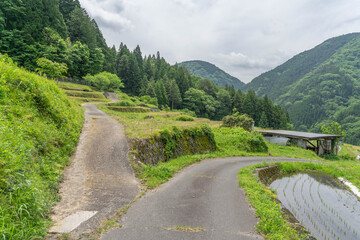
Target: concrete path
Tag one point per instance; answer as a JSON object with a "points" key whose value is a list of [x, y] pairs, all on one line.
{"points": [[205, 196], [99, 180]]}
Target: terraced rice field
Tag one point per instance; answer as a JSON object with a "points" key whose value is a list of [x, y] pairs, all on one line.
{"points": [[321, 204]]}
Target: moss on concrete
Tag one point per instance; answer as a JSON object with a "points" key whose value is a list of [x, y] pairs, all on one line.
{"points": [[174, 143]]}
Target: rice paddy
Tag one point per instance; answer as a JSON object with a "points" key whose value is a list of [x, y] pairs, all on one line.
{"points": [[321, 204]]}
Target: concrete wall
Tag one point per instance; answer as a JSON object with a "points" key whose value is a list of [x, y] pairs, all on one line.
{"points": [[277, 140]]}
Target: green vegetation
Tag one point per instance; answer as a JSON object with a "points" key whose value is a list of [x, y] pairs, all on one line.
{"points": [[235, 139], [104, 81], [272, 222], [186, 229], [123, 103], [82, 93], [146, 123], [72, 41], [319, 86], [74, 86], [230, 142], [174, 142], [53, 69], [185, 118], [210, 71], [39, 129], [238, 120], [347, 149]]}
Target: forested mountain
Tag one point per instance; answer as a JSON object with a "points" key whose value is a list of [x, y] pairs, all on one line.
{"points": [[319, 86], [62, 31], [59, 30], [210, 71]]}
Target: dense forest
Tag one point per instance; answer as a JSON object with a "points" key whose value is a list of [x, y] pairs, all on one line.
{"points": [[319, 86], [210, 71], [63, 32]]}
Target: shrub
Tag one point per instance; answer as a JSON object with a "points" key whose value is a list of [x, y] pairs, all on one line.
{"points": [[238, 138], [104, 81], [238, 120], [124, 103], [149, 100], [185, 118]]}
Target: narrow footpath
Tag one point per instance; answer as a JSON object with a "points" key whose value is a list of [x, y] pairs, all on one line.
{"points": [[99, 179], [205, 199]]}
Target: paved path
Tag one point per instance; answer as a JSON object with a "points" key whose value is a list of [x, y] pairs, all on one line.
{"points": [[99, 180], [205, 195]]}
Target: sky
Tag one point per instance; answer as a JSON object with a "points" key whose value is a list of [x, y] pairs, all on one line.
{"points": [[244, 38]]}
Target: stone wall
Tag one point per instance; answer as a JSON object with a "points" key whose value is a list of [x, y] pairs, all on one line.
{"points": [[173, 143], [268, 174]]}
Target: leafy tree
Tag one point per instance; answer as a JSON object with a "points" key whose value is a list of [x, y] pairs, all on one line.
{"points": [[238, 120], [104, 81], [207, 86], [80, 60], [96, 60], [53, 69], [333, 128], [203, 105]]}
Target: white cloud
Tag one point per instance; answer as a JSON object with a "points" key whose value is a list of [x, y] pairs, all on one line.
{"points": [[107, 14], [245, 38]]}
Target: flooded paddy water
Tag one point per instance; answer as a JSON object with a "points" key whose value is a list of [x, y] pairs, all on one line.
{"points": [[321, 204]]}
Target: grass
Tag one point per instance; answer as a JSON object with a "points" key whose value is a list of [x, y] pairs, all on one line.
{"points": [[272, 223], [74, 86], [39, 129], [82, 93], [347, 149], [186, 229], [75, 93], [140, 125], [88, 100], [112, 222]]}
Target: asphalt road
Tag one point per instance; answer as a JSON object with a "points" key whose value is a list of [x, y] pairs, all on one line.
{"points": [[205, 196]]}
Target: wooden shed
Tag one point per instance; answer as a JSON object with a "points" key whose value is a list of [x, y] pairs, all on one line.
{"points": [[325, 142]]}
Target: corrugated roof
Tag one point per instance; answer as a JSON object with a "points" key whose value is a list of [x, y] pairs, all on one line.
{"points": [[301, 135]]}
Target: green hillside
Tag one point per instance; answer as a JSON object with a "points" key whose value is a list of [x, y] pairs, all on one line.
{"points": [[212, 72], [39, 129], [319, 86]]}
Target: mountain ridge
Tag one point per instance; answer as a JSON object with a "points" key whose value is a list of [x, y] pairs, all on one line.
{"points": [[212, 72], [318, 86]]}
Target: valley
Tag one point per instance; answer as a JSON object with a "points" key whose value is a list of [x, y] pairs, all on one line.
{"points": [[116, 142]]}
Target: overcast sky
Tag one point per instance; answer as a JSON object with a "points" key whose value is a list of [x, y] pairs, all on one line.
{"points": [[244, 38]]}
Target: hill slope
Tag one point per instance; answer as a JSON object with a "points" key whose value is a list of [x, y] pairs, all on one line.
{"points": [[39, 129], [210, 71], [319, 86]]}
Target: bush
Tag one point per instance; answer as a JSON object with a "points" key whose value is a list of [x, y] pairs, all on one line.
{"points": [[124, 103], [238, 120], [184, 118], [104, 81], [238, 138]]}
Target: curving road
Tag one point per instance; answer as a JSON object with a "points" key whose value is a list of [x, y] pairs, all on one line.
{"points": [[204, 196]]}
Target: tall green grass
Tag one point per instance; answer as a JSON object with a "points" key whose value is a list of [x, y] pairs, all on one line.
{"points": [[39, 129]]}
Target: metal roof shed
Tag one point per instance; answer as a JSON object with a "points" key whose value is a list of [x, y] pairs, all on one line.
{"points": [[325, 142]]}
